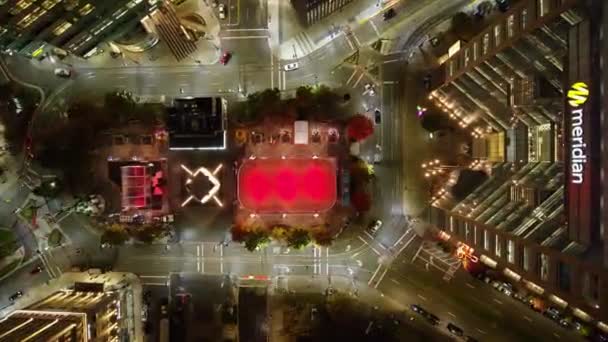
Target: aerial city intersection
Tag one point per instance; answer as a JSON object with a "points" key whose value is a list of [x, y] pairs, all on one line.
{"points": [[303, 170]]}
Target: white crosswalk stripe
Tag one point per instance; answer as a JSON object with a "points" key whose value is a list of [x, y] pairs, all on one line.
{"points": [[304, 43]]}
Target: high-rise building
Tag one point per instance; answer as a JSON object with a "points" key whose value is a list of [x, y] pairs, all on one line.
{"points": [[311, 11], [529, 87], [87, 313], [74, 26]]}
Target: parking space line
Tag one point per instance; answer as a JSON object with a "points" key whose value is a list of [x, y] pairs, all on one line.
{"points": [[421, 297], [527, 318], [481, 331], [469, 285], [451, 314], [395, 281], [556, 335], [496, 300]]}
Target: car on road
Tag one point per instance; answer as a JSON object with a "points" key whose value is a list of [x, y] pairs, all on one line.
{"points": [[374, 226], [15, 296], [222, 11], [377, 116], [291, 66], [454, 329], [225, 58], [389, 14], [36, 270], [63, 72], [427, 315], [215, 3]]}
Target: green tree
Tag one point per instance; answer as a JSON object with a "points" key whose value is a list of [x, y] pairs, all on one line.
{"points": [[256, 240], [114, 237], [298, 239]]}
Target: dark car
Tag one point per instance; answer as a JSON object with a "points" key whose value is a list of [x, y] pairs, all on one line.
{"points": [[36, 270], [15, 296], [389, 14], [434, 320], [454, 329], [377, 117]]}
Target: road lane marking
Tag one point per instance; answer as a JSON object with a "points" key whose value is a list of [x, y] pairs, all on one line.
{"points": [[395, 281], [153, 276], [371, 280], [365, 242], [406, 244], [451, 314], [496, 300], [358, 80], [352, 47], [471, 286], [481, 331], [245, 37], [155, 284], [351, 76], [421, 297], [375, 28], [556, 335], [381, 277], [527, 318], [389, 82], [391, 61], [356, 39]]}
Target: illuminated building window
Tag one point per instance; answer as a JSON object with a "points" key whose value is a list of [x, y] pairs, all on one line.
{"points": [[524, 19], [526, 258], [20, 6], [510, 25], [466, 57], [510, 251], [31, 18], [544, 267], [497, 246], [61, 28], [497, 35], [86, 9], [485, 43], [48, 4], [486, 240], [475, 50]]}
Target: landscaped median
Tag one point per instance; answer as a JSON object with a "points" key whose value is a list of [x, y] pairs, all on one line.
{"points": [[11, 252]]}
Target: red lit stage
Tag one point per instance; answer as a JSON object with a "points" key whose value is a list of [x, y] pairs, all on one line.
{"points": [[287, 185]]}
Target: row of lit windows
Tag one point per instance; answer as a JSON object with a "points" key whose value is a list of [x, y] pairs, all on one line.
{"points": [[513, 21], [20, 6], [31, 17]]}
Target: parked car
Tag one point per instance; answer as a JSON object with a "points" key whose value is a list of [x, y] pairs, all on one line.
{"points": [[454, 329], [389, 14], [222, 11], [15, 296], [377, 117], [374, 226], [63, 72], [291, 66], [225, 57], [36, 270]]}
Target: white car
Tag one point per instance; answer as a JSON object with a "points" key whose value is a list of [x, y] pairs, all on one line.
{"points": [[291, 66], [222, 11], [62, 72]]}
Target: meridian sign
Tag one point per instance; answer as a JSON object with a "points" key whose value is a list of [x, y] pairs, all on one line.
{"points": [[577, 96]]}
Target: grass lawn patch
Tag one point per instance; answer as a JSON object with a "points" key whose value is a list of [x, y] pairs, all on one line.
{"points": [[8, 268], [8, 243], [55, 238]]}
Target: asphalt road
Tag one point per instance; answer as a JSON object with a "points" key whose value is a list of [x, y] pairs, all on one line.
{"points": [[398, 187]]}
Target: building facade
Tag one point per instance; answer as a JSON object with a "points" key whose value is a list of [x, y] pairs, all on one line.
{"points": [[31, 27], [533, 76], [311, 11]]}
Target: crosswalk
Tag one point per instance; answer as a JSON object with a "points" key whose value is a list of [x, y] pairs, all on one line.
{"points": [[303, 45]]}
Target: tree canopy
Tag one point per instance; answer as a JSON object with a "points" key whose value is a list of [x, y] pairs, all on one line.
{"points": [[359, 127]]}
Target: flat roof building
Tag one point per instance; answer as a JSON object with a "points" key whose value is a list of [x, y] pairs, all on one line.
{"points": [[31, 26], [529, 89]]}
